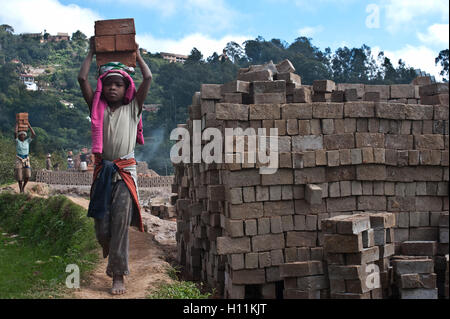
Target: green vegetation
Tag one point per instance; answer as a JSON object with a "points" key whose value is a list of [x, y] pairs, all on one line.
{"points": [[60, 128], [39, 238]]}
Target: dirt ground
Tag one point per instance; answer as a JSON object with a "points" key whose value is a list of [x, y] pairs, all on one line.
{"points": [[148, 259]]}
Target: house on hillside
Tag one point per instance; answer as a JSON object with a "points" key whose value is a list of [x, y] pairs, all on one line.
{"points": [[174, 58], [28, 80], [37, 36], [60, 36]]}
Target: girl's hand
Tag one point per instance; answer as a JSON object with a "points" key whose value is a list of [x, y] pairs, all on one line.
{"points": [[92, 44]]}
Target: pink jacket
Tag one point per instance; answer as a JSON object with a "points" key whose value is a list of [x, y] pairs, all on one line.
{"points": [[99, 105]]}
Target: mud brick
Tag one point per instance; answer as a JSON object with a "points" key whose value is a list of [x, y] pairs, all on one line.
{"points": [[301, 294], [299, 222], [281, 126], [350, 95], [375, 203], [335, 190], [261, 111], [281, 177], [369, 140], [429, 141], [290, 77], [312, 283], [443, 235], [362, 125], [443, 220], [105, 44], [401, 142], [345, 157], [433, 89], [234, 98], [127, 58], [301, 239], [333, 158], [296, 111], [235, 228], [327, 126], [311, 222], [267, 242], [356, 188], [367, 188], [341, 204], [378, 188], [338, 96], [285, 66], [321, 97], [248, 276], [357, 286], [234, 196], [237, 261], [247, 210], [399, 91], [353, 224], [389, 189], [372, 96], [290, 283], [324, 86], [263, 75], [412, 265], [310, 175], [336, 243], [382, 220], [216, 192], [301, 269], [275, 225], [440, 112], [114, 26], [387, 250], [371, 172], [423, 233], [269, 87], [268, 98], [227, 245], [427, 203], [341, 173], [264, 260], [393, 111], [402, 158], [287, 223], [419, 248], [419, 293], [125, 42], [367, 255], [328, 110], [321, 157], [401, 204], [419, 112], [277, 257], [350, 272], [304, 127], [236, 87], [383, 90], [313, 194], [346, 188], [368, 238], [263, 226], [273, 274], [292, 127], [278, 208], [413, 157], [411, 281], [339, 141], [356, 156], [243, 178]]}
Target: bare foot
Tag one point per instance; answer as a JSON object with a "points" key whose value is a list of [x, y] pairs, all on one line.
{"points": [[118, 287]]}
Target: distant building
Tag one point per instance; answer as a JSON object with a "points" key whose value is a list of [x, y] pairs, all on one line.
{"points": [[174, 58], [67, 104], [60, 36], [37, 36], [28, 80]]}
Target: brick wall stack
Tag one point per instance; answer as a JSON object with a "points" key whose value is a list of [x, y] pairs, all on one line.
{"points": [[236, 227], [80, 178], [415, 277], [163, 211], [434, 94]]}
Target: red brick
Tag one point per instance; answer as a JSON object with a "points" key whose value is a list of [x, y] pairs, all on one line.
{"points": [[114, 26], [105, 44], [125, 42], [127, 58]]}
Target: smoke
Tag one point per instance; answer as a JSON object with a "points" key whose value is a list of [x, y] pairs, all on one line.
{"points": [[151, 150]]}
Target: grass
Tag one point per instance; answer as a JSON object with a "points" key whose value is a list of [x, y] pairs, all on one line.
{"points": [[38, 239], [180, 289]]}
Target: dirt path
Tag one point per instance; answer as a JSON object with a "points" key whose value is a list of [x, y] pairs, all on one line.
{"points": [[147, 262]]}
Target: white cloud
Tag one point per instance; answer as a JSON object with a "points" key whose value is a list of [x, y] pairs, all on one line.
{"points": [[207, 45], [420, 57], [401, 13], [436, 35], [51, 15], [310, 31]]}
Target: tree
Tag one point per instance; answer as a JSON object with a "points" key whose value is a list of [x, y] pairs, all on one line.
{"points": [[78, 36], [6, 28], [195, 57], [442, 58]]}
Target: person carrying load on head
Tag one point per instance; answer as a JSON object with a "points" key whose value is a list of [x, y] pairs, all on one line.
{"points": [[22, 168], [115, 109]]}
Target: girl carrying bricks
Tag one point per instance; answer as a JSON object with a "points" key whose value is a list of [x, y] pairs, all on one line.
{"points": [[22, 168], [115, 108]]}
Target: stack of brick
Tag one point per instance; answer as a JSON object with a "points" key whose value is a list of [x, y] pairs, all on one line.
{"points": [[434, 94], [446, 277], [304, 280], [415, 277], [22, 121], [383, 228], [440, 261], [163, 211], [238, 226], [115, 41], [351, 255]]}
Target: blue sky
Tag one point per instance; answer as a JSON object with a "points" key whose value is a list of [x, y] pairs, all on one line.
{"points": [[414, 30]]}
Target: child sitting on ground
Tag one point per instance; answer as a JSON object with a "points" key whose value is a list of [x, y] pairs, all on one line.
{"points": [[115, 110]]}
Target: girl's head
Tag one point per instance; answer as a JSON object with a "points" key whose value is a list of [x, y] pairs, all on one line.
{"points": [[22, 136], [115, 86]]}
